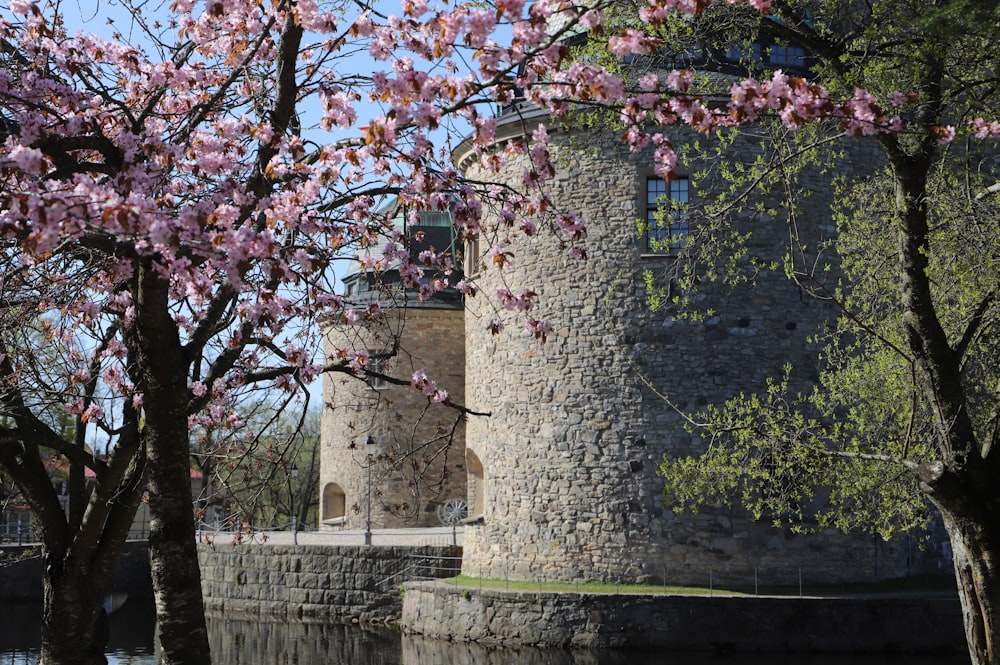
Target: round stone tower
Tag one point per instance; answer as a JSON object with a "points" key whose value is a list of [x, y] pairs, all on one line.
{"points": [[390, 457], [567, 461]]}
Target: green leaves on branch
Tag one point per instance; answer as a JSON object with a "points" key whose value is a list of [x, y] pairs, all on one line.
{"points": [[791, 469]]}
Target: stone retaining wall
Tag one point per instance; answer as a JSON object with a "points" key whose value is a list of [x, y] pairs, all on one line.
{"points": [[345, 584], [685, 623]]}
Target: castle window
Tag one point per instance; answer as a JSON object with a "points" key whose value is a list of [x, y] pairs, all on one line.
{"points": [[435, 218], [665, 214], [788, 56], [736, 52], [378, 366]]}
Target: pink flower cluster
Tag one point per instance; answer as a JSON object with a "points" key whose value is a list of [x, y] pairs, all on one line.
{"points": [[428, 387]]}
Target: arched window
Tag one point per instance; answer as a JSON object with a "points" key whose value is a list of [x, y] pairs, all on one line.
{"points": [[334, 502], [475, 483]]}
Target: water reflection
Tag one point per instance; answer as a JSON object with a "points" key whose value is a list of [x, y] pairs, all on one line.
{"points": [[132, 634], [256, 641], [259, 642], [421, 651], [262, 643]]}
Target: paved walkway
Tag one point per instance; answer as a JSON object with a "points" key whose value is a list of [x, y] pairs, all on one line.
{"points": [[439, 536]]}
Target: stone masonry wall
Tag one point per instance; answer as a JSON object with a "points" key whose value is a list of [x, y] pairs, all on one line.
{"points": [[344, 584], [416, 449], [685, 623], [570, 451]]}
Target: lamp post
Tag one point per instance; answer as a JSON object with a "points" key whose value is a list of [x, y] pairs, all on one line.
{"points": [[368, 514], [294, 472]]}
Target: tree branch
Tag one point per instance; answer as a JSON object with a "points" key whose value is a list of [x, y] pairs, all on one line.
{"points": [[975, 323]]}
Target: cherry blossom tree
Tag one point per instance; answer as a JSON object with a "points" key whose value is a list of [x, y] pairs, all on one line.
{"points": [[176, 196], [172, 212]]}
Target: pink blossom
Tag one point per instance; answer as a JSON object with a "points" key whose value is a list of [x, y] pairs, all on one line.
{"points": [[500, 257], [363, 25], [540, 329], [945, 134], [88, 311], [649, 81], [92, 413], [428, 386], [680, 80], [114, 378], [359, 361], [29, 160], [631, 42], [467, 289], [571, 226], [984, 129], [509, 7], [523, 301], [902, 98], [22, 7], [592, 19]]}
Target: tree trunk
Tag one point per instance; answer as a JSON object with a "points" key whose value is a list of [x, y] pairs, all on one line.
{"points": [[75, 628], [160, 373], [180, 611], [72, 616], [974, 531]]}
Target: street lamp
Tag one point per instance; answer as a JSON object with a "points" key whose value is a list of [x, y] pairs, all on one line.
{"points": [[291, 499], [368, 515]]}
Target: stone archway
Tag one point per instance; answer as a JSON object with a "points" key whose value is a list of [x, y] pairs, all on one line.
{"points": [[334, 502], [476, 480]]}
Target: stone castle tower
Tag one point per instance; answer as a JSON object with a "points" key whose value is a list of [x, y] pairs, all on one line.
{"points": [[579, 424], [388, 458], [561, 479]]}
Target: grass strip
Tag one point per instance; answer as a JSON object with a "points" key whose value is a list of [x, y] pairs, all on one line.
{"points": [[910, 585]]}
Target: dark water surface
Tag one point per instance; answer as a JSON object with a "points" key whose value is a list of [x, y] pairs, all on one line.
{"points": [[238, 641]]}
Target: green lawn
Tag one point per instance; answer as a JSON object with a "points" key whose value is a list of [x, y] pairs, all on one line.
{"points": [[914, 585]]}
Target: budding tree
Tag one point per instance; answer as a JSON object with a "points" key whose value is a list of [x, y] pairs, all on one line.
{"points": [[904, 417]]}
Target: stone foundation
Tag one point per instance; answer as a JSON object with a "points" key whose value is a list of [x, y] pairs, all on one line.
{"points": [[685, 623]]}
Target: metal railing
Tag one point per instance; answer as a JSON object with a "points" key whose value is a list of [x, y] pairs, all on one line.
{"points": [[422, 567], [17, 533], [25, 533]]}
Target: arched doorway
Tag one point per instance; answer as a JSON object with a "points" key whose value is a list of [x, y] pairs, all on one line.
{"points": [[475, 483], [334, 503]]}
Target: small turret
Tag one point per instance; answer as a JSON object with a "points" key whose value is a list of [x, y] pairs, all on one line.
{"points": [[392, 457]]}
